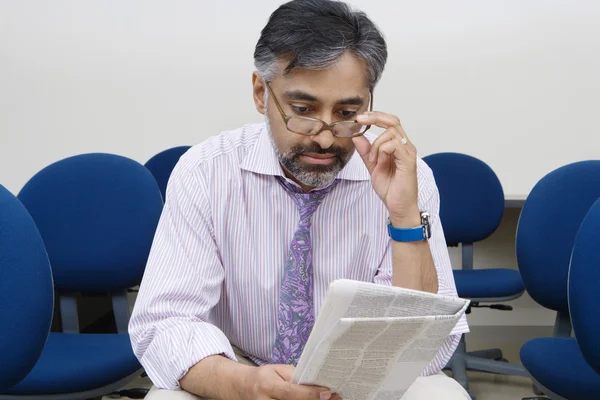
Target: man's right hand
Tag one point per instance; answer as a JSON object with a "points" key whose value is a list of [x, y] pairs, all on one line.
{"points": [[272, 382], [217, 377]]}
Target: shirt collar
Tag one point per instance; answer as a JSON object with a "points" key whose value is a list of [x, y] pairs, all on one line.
{"points": [[262, 159]]}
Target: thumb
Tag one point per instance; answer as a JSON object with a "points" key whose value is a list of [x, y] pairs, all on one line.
{"points": [[363, 146], [285, 371]]}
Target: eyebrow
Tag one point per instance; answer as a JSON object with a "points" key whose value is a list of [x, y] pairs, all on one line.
{"points": [[303, 96]]}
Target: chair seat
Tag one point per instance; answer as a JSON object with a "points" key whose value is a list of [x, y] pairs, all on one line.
{"points": [[557, 364], [488, 283], [79, 362]]}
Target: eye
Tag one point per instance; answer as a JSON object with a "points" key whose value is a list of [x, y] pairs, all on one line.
{"points": [[301, 109], [347, 113]]}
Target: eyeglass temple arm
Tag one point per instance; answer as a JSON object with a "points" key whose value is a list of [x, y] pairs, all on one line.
{"points": [[285, 117]]}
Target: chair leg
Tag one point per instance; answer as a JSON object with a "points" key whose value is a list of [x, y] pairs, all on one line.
{"points": [[458, 366], [137, 393], [490, 354], [547, 393], [562, 325], [493, 366]]}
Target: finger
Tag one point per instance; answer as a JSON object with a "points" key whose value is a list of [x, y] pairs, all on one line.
{"points": [[403, 134], [385, 137], [290, 391], [363, 147], [390, 152], [383, 120], [285, 390], [378, 118], [394, 148], [401, 137], [383, 164]]}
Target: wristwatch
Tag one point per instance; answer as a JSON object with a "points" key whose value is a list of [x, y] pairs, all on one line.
{"points": [[419, 233]]}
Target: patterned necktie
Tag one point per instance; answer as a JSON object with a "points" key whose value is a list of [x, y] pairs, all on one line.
{"points": [[296, 315]]}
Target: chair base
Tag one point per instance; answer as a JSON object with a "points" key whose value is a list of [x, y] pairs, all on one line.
{"points": [[542, 388], [488, 354], [88, 394], [482, 360]]}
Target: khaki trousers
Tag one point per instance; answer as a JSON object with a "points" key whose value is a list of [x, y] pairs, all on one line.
{"points": [[437, 386]]}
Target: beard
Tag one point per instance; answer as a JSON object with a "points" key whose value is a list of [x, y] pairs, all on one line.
{"points": [[312, 175]]}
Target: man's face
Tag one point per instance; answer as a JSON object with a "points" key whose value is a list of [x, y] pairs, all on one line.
{"points": [[335, 94]]}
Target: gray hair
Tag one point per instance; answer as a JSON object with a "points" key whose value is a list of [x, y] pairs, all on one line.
{"points": [[314, 34]]}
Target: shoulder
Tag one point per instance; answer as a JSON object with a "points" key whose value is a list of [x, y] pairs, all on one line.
{"points": [[225, 149]]}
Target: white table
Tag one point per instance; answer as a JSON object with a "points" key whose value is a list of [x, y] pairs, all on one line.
{"points": [[514, 200]]}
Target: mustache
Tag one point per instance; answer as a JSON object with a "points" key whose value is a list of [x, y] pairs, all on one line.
{"points": [[315, 148]]}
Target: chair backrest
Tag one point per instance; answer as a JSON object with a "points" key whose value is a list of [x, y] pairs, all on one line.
{"points": [[162, 164], [547, 227], [97, 214], [471, 197], [584, 285], [26, 292]]}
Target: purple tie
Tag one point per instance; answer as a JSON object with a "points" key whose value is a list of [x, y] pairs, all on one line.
{"points": [[296, 314]]}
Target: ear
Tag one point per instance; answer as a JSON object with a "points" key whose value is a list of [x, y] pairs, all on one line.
{"points": [[258, 92]]}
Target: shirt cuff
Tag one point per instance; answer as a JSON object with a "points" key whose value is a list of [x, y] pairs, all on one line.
{"points": [[173, 352], [443, 356], [461, 326]]}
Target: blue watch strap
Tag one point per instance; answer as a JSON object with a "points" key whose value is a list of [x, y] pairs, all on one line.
{"points": [[422, 232], [406, 234]]}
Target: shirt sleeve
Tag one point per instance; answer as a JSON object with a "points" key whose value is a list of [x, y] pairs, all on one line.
{"points": [[169, 326], [429, 200]]}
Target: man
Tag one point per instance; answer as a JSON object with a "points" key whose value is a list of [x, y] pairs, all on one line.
{"points": [[273, 213]]}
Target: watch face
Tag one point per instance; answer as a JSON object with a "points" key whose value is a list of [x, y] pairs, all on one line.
{"points": [[426, 224], [415, 234]]}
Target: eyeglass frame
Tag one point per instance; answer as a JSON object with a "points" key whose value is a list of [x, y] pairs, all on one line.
{"points": [[325, 126]]}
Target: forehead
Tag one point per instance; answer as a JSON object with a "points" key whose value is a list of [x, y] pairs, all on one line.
{"points": [[346, 78]]}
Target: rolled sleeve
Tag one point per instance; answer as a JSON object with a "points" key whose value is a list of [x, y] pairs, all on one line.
{"points": [[172, 352], [169, 327]]}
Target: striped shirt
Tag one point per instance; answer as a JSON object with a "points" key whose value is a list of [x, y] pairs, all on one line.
{"points": [[216, 264]]}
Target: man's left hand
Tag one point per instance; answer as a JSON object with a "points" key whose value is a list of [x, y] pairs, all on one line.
{"points": [[392, 162]]}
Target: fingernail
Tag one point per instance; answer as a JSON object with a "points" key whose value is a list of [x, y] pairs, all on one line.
{"points": [[362, 117], [325, 395]]}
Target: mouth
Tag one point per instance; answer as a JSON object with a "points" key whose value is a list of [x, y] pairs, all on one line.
{"points": [[319, 159]]}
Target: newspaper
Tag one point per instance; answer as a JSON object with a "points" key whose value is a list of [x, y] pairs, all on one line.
{"points": [[372, 341]]}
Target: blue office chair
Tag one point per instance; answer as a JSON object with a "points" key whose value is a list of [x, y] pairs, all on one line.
{"points": [[564, 367], [97, 214], [26, 292], [546, 233], [162, 164], [471, 209]]}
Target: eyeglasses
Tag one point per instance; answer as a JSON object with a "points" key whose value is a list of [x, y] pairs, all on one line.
{"points": [[313, 126]]}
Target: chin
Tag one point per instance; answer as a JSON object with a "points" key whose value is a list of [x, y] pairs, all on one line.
{"points": [[316, 176], [319, 168]]}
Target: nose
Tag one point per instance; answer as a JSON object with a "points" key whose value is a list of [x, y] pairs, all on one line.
{"points": [[325, 139]]}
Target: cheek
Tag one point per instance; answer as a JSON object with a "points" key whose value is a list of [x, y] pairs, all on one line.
{"points": [[283, 146], [284, 140], [347, 145]]}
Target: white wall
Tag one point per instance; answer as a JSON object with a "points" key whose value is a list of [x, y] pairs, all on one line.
{"points": [[513, 82]]}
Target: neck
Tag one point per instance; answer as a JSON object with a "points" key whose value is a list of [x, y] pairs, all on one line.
{"points": [[293, 178]]}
